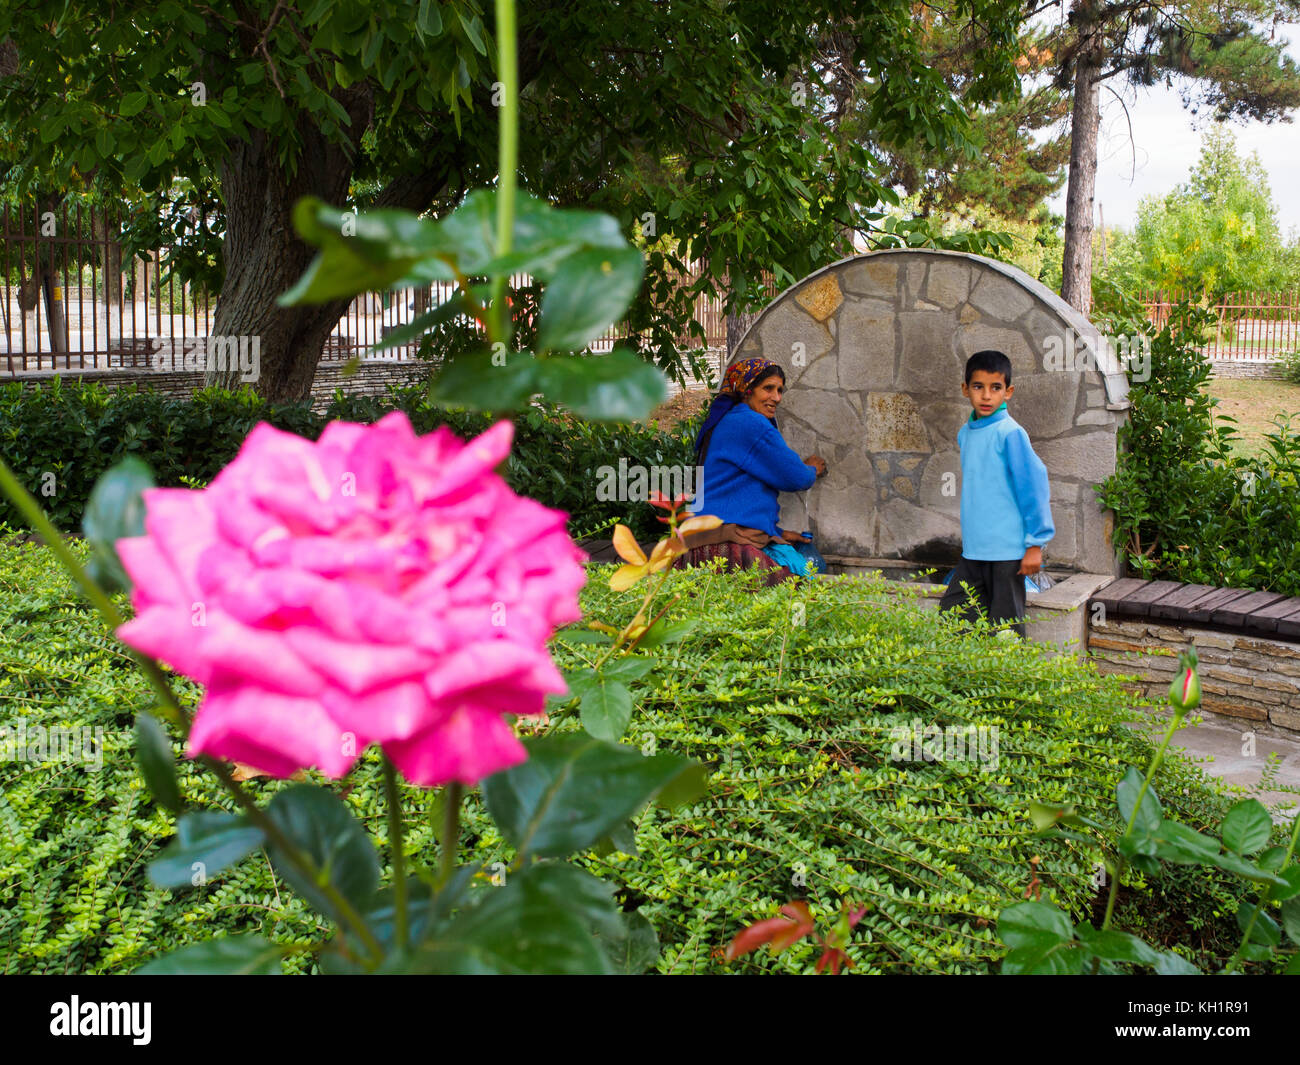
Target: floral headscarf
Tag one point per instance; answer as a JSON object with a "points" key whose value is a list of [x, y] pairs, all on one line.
{"points": [[739, 378]]}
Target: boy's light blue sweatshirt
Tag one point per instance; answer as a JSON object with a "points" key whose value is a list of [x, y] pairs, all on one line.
{"points": [[1005, 499], [747, 464]]}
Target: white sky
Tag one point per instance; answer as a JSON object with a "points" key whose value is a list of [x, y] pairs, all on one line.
{"points": [[1166, 144]]}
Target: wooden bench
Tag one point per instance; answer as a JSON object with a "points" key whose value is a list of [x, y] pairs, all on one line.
{"points": [[1242, 609]]}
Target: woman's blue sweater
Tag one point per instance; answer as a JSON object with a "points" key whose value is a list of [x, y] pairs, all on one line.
{"points": [[746, 465]]}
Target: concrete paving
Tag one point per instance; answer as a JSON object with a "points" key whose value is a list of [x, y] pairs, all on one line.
{"points": [[1263, 767]]}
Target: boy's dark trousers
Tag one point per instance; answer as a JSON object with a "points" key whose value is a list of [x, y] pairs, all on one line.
{"points": [[999, 588]]}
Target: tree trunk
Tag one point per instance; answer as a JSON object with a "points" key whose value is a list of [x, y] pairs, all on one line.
{"points": [[737, 325], [1076, 270], [263, 257]]}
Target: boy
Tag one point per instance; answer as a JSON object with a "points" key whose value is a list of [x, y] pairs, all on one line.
{"points": [[1006, 516]]}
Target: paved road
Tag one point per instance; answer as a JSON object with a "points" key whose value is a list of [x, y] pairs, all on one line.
{"points": [[1224, 750]]}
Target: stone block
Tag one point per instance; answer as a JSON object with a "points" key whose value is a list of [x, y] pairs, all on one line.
{"points": [[1096, 417], [828, 414], [1045, 403], [928, 363], [876, 277], [1065, 544], [943, 420], [894, 423], [949, 282], [909, 531], [978, 336], [867, 345], [1000, 298], [1248, 711], [1285, 718], [1087, 456], [821, 373], [785, 331], [941, 483], [820, 297], [913, 279]]}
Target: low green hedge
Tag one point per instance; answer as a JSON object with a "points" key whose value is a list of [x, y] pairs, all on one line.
{"points": [[791, 692], [75, 431]]}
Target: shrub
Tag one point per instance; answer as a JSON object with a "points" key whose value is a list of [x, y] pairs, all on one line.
{"points": [[1186, 509], [791, 692], [58, 440]]}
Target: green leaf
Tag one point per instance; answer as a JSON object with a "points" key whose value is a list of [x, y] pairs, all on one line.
{"points": [[244, 955], [319, 823], [115, 511], [476, 382], [1293, 966], [1034, 925], [154, 753], [1178, 843], [379, 249], [665, 632], [621, 839], [636, 946], [1059, 958], [206, 843], [620, 386], [132, 103], [1272, 859], [589, 291], [1246, 827], [1291, 874], [629, 667], [1110, 945], [1126, 793], [606, 707], [1171, 964], [547, 918], [429, 18], [1291, 919], [474, 31], [1045, 816], [1265, 930], [1233, 864], [574, 790]]}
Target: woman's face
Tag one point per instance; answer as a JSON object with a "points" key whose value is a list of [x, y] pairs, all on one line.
{"points": [[765, 395]]}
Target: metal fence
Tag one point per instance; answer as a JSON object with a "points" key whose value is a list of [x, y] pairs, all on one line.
{"points": [[1250, 326], [71, 299]]}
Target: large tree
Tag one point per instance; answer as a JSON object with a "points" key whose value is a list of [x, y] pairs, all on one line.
{"points": [[680, 118], [1224, 57]]}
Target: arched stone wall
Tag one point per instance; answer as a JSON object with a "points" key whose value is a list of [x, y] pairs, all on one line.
{"points": [[874, 349]]}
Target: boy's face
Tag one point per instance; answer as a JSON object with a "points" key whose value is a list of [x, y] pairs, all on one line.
{"points": [[987, 391]]}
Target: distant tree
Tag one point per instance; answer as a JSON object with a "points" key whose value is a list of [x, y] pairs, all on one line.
{"points": [[1224, 57], [1217, 232]]}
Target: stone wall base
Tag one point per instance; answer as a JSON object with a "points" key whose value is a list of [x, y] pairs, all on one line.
{"points": [[1246, 680], [371, 378], [1246, 368]]}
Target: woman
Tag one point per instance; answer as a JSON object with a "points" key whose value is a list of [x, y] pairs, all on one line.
{"points": [[746, 464]]}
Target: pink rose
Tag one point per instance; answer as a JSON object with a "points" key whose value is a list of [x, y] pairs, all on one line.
{"points": [[373, 587]]}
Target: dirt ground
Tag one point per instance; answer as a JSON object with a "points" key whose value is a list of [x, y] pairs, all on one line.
{"points": [[682, 407], [1254, 402]]}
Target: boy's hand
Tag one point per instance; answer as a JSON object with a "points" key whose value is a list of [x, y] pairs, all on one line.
{"points": [[1032, 562], [794, 537]]}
